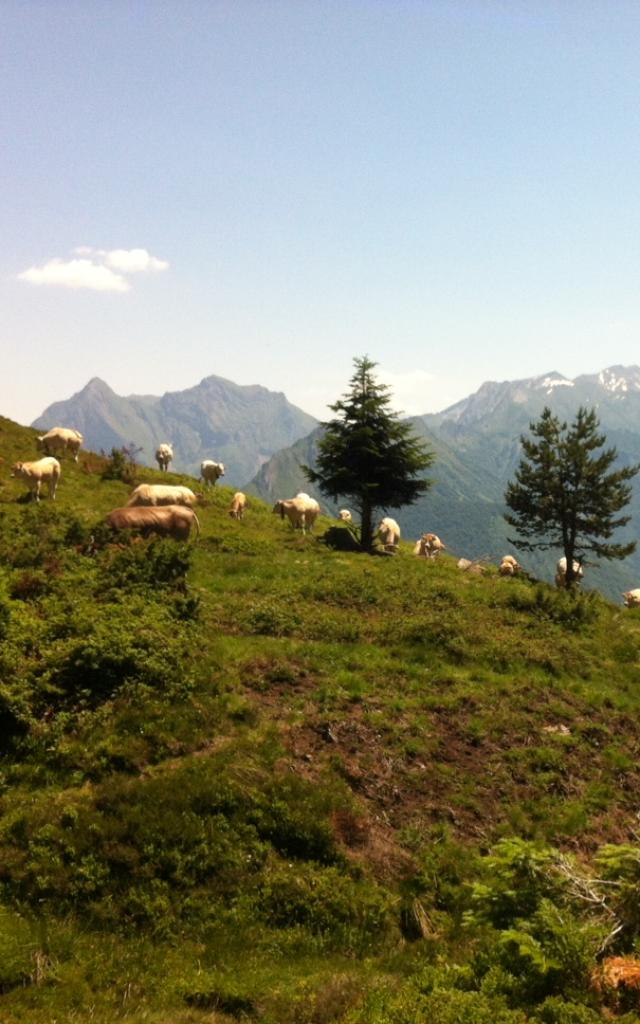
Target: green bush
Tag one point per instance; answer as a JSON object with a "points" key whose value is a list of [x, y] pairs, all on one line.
{"points": [[132, 642], [569, 608], [518, 877], [120, 464], [346, 913], [556, 1010], [156, 563]]}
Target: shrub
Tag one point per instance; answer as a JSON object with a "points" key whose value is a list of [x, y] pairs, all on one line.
{"points": [[131, 642], [556, 1010], [120, 465], [159, 562], [519, 877], [327, 902], [569, 608]]}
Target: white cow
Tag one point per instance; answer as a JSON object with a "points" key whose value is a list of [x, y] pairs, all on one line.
{"points": [[164, 455], [311, 506], [345, 515], [161, 494], [301, 511], [59, 440], [238, 505], [45, 471], [429, 546], [475, 568], [561, 572], [509, 566], [211, 471], [389, 533], [632, 598]]}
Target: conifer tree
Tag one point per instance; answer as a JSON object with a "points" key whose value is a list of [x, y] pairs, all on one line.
{"points": [[565, 493], [367, 455]]}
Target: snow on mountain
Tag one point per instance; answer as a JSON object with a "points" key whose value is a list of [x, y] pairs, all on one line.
{"points": [[620, 378], [551, 381]]}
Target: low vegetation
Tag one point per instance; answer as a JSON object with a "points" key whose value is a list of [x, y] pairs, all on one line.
{"points": [[259, 778]]}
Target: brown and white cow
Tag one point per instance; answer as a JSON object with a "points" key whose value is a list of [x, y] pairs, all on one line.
{"points": [[173, 521], [429, 546]]}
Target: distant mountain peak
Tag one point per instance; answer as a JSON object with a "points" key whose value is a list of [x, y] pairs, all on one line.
{"points": [[240, 425], [550, 381], [618, 379], [96, 385]]}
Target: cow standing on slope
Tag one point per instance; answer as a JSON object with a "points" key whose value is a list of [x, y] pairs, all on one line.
{"points": [[59, 440], [389, 534], [211, 471], [43, 471], [164, 455]]}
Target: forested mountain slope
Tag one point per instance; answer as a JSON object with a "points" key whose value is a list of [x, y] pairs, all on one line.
{"points": [[255, 777]]}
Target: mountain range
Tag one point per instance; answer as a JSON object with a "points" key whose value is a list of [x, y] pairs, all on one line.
{"points": [[241, 426]]}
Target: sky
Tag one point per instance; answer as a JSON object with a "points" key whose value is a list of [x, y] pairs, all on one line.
{"points": [[264, 190]]}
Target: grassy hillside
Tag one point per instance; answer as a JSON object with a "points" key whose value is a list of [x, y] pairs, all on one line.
{"points": [[259, 778], [465, 505]]}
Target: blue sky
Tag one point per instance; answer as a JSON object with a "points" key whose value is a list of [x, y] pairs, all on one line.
{"points": [[262, 190]]}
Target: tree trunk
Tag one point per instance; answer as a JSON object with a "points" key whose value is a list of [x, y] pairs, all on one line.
{"points": [[366, 528], [570, 578]]}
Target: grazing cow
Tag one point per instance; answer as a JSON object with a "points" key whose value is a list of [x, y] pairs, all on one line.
{"points": [[211, 471], [45, 471], [389, 533], [509, 566], [632, 598], [161, 494], [475, 568], [164, 455], [311, 508], [429, 546], [173, 521], [238, 505], [345, 515], [297, 512], [59, 440], [561, 572]]}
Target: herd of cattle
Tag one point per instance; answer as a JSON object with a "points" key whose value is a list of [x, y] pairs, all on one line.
{"points": [[168, 511]]}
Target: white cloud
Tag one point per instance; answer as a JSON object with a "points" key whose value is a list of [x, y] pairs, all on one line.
{"points": [[78, 273], [409, 390], [127, 261], [101, 270]]}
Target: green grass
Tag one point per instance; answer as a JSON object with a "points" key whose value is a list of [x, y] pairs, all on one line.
{"points": [[230, 768]]}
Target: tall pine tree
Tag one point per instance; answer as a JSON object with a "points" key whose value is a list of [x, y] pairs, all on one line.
{"points": [[367, 455], [565, 493]]}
